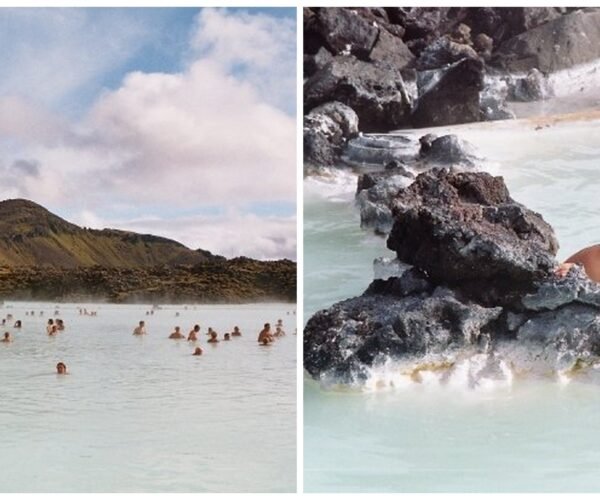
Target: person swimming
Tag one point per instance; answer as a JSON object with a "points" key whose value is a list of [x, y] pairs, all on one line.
{"points": [[192, 337], [226, 337], [7, 337], [60, 324], [140, 329], [53, 330], [210, 331], [49, 326], [61, 368], [236, 332], [177, 334], [278, 332], [18, 324], [588, 258], [197, 351], [213, 338], [265, 334]]}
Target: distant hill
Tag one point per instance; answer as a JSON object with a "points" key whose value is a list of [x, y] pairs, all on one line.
{"points": [[44, 257], [30, 235]]}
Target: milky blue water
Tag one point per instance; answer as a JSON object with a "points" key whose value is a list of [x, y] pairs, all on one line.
{"points": [[141, 414], [539, 434]]}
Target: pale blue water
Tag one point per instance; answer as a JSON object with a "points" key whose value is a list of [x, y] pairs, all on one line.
{"points": [[141, 414], [534, 435]]}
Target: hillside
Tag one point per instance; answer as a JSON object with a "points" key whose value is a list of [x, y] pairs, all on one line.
{"points": [[44, 257], [30, 235]]}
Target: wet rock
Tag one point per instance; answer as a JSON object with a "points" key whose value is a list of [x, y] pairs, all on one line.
{"points": [[326, 129], [462, 34], [375, 91], [479, 280], [385, 268], [340, 341], [533, 87], [561, 43], [345, 32], [378, 150], [555, 292], [446, 150], [464, 230], [574, 328], [442, 52], [392, 50], [484, 45], [374, 202], [315, 62], [452, 96]]}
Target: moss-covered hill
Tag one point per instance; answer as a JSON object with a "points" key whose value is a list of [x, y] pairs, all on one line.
{"points": [[43, 257], [30, 235]]}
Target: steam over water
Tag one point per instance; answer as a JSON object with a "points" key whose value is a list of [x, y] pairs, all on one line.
{"points": [[518, 421], [141, 414]]}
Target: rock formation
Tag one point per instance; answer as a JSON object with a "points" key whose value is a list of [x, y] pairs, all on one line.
{"points": [[479, 276]]}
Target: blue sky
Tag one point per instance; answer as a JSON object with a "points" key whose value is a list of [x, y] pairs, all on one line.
{"points": [[176, 121]]}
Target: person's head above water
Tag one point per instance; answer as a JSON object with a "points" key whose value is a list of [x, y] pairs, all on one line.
{"points": [[267, 326], [6, 336], [213, 335], [142, 323], [226, 336], [196, 328], [198, 351], [50, 321], [61, 368]]}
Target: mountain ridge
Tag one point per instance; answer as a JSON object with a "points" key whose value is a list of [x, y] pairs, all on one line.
{"points": [[31, 235], [45, 257]]}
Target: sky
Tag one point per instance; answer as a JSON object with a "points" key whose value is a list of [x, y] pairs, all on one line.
{"points": [[176, 122]]}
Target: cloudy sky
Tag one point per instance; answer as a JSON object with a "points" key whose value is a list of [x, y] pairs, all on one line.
{"points": [[177, 122]]}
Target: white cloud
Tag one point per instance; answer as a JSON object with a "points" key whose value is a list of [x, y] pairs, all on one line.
{"points": [[259, 237], [261, 47], [213, 134]]}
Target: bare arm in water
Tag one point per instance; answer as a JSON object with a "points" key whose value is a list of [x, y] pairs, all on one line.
{"points": [[589, 258]]}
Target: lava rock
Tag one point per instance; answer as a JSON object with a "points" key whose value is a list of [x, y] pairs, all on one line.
{"points": [[375, 91], [345, 32], [444, 51], [392, 50], [340, 342], [464, 230], [326, 129], [532, 87], [447, 149], [559, 44], [451, 97]]}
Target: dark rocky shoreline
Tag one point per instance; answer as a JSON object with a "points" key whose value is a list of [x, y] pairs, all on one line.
{"points": [[239, 280], [478, 274], [379, 69]]}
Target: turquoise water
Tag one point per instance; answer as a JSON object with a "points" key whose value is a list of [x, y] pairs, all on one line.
{"points": [[141, 414], [527, 435]]}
